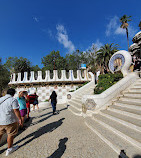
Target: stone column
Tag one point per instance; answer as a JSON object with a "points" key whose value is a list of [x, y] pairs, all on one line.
{"points": [[19, 78], [39, 79]]}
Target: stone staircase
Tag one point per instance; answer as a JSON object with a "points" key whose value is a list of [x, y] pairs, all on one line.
{"points": [[119, 125], [75, 104]]}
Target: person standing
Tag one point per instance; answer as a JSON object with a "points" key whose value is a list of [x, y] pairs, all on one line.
{"points": [[23, 109], [53, 98], [9, 118], [35, 103], [27, 98], [97, 75]]}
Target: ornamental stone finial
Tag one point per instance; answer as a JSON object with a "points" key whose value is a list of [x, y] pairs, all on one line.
{"points": [[120, 61]]}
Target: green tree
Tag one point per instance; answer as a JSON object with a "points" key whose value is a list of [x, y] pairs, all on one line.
{"points": [[4, 77], [104, 54], [140, 25], [124, 24], [92, 54], [15, 64], [35, 68], [54, 61]]}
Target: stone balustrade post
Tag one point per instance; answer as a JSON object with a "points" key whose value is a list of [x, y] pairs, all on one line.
{"points": [[19, 78], [39, 78], [63, 75], [14, 78], [25, 77], [32, 78]]}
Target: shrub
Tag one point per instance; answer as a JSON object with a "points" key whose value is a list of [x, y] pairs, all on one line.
{"points": [[107, 80]]}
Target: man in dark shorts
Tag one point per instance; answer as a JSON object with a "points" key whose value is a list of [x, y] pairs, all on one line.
{"points": [[9, 118]]}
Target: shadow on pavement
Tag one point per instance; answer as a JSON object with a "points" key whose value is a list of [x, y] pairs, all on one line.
{"points": [[61, 149], [43, 130], [45, 118], [137, 156]]}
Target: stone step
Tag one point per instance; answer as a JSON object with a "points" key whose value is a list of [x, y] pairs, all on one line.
{"points": [[137, 85], [129, 134], [128, 92], [77, 105], [77, 100], [74, 110], [111, 138], [132, 95], [126, 111], [123, 119], [135, 90], [77, 97], [127, 104], [129, 101]]}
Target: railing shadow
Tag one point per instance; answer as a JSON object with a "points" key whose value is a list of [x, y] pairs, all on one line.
{"points": [[137, 156], [43, 130], [61, 149]]}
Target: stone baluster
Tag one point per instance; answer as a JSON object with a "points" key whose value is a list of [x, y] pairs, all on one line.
{"points": [[19, 78], [63, 75], [46, 76], [39, 78], [55, 75], [25, 77], [11, 78], [14, 78], [85, 75], [32, 79], [71, 77], [79, 75]]}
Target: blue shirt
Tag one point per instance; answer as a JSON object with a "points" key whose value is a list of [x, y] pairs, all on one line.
{"points": [[22, 103]]}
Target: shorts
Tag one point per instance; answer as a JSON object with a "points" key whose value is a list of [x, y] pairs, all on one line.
{"points": [[11, 129], [35, 102], [23, 112]]}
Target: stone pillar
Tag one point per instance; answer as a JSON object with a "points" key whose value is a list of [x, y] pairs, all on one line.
{"points": [[63, 75], [32, 79], [55, 75], [78, 75], [19, 78], [71, 77], [39, 79], [25, 77], [47, 76]]}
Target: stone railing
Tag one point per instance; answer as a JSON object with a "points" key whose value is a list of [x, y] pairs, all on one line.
{"points": [[101, 101], [16, 78], [71, 95]]}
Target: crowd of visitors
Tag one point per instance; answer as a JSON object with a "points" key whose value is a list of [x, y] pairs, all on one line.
{"points": [[13, 112]]}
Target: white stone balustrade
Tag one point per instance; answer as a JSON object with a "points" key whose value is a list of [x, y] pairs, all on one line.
{"points": [[48, 78]]}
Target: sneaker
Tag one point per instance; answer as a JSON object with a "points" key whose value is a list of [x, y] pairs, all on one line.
{"points": [[11, 150]]}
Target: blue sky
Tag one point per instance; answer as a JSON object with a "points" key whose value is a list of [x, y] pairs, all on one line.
{"points": [[33, 28]]}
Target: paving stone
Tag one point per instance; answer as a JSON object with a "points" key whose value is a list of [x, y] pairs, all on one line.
{"points": [[58, 136]]}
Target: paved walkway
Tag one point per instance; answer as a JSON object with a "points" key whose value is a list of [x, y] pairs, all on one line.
{"points": [[58, 136]]}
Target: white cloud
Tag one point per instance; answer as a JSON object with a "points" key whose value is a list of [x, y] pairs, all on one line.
{"points": [[62, 37], [95, 45], [113, 27], [35, 19], [98, 44], [50, 33]]}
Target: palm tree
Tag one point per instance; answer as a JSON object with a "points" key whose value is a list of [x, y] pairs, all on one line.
{"points": [[124, 24], [104, 54], [140, 25]]}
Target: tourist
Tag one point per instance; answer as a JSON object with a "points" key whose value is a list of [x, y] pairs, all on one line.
{"points": [[97, 75], [9, 118], [27, 97], [53, 98], [35, 103], [23, 109]]}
